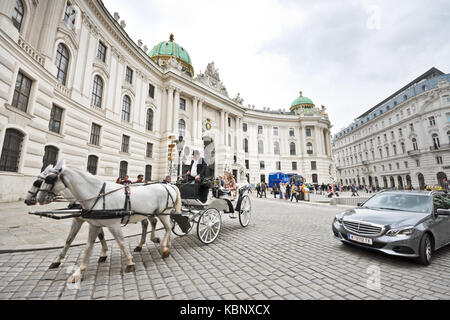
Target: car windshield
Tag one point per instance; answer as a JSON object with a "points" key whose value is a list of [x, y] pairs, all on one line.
{"points": [[400, 202]]}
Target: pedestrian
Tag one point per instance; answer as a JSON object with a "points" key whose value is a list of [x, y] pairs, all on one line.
{"points": [[294, 192], [263, 189], [119, 180], [140, 179], [354, 191], [282, 190], [126, 180], [258, 189], [288, 191], [275, 190]]}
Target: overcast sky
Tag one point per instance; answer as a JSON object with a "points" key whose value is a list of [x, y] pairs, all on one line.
{"points": [[347, 55]]}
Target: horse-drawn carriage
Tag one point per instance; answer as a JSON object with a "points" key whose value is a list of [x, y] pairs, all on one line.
{"points": [[101, 204]]}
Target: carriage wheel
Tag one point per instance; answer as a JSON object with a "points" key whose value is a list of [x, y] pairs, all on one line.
{"points": [[245, 212], [177, 230], [208, 226]]}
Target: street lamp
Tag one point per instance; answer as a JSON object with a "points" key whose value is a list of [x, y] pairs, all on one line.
{"points": [[180, 147]]}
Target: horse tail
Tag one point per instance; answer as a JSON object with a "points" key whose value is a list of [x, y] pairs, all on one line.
{"points": [[178, 200]]}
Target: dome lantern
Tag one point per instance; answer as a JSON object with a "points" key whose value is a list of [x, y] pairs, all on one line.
{"points": [[301, 102]]}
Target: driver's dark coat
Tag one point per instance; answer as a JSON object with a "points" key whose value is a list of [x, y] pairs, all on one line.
{"points": [[202, 168]]}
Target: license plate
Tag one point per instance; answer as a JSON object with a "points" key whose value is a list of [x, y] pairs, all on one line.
{"points": [[360, 239]]}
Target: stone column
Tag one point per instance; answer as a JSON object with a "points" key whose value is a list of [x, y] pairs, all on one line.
{"points": [[176, 111], [194, 119], [222, 128], [200, 118], [318, 140], [227, 129], [48, 32], [169, 109]]}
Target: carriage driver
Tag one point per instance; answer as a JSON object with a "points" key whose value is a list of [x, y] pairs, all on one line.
{"points": [[198, 172]]}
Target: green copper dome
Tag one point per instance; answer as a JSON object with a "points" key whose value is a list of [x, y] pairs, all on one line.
{"points": [[167, 49], [301, 102]]}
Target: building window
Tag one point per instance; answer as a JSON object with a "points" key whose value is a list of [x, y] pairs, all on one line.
{"points": [[394, 147], [17, 15], [62, 63], [275, 131], [50, 156], [414, 143], [229, 121], [92, 164], [400, 132], [397, 165], [151, 90], [101, 52], [436, 143], [181, 127], [247, 164], [149, 120], [97, 92], [260, 147], [417, 163], [315, 178], [411, 126], [245, 145], [21, 92], [439, 160], [313, 165], [129, 75], [278, 165], [406, 164], [292, 148], [125, 144], [260, 130], [149, 152], [403, 147], [294, 166], [148, 173], [276, 147], [261, 165], [229, 140], [244, 127], [123, 169], [387, 151], [448, 136], [69, 14], [308, 132], [95, 135], [432, 121], [55, 119], [182, 104], [126, 108], [12, 146], [390, 166], [309, 148]]}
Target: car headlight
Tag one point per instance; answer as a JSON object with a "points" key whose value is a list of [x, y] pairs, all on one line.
{"points": [[401, 232], [338, 218]]}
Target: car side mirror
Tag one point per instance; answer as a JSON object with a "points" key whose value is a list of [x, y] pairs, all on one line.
{"points": [[359, 204], [443, 212]]}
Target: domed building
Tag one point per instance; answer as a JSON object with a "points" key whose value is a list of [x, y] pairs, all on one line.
{"points": [[77, 87]]}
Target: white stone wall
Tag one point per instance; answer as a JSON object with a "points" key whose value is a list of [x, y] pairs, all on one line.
{"points": [[32, 51]]}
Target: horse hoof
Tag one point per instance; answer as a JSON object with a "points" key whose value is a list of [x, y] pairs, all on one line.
{"points": [[55, 265], [156, 240], [130, 268], [138, 249], [102, 259], [165, 254]]}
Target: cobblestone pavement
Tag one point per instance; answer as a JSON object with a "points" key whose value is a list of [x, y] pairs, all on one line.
{"points": [[287, 253]]}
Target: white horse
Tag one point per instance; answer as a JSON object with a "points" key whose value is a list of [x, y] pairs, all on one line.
{"points": [[144, 199], [77, 222]]}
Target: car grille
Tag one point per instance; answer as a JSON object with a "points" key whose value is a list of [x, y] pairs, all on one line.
{"points": [[362, 228]]}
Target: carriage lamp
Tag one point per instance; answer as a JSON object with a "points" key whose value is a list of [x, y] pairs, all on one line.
{"points": [[180, 146]]}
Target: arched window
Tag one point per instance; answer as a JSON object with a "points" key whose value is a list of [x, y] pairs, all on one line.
{"points": [[394, 147], [148, 173], [245, 145], [309, 148], [436, 143], [62, 63], [260, 147], [414, 143], [181, 127], [126, 108], [292, 148], [12, 146], [123, 169], [276, 147], [17, 15], [92, 164], [149, 121], [403, 147], [97, 92], [50, 156]]}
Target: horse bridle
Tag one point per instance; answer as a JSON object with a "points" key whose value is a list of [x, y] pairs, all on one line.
{"points": [[51, 180]]}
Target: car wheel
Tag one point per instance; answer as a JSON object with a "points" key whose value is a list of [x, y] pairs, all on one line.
{"points": [[425, 250]]}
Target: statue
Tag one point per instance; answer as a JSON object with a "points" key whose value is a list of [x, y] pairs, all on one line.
{"points": [[238, 99]]}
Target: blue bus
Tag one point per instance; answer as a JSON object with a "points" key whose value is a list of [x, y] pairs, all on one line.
{"points": [[278, 177]]}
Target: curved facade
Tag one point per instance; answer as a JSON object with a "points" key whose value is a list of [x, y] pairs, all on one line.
{"points": [[73, 85], [401, 142]]}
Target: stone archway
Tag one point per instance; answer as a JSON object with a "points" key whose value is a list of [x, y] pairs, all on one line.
{"points": [[370, 181], [400, 182], [408, 181], [376, 182], [441, 179], [392, 182], [421, 179], [385, 183]]}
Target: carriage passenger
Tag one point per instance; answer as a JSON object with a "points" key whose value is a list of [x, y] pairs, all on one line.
{"points": [[230, 184]]}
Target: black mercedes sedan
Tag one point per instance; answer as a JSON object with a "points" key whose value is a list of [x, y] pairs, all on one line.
{"points": [[403, 223]]}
